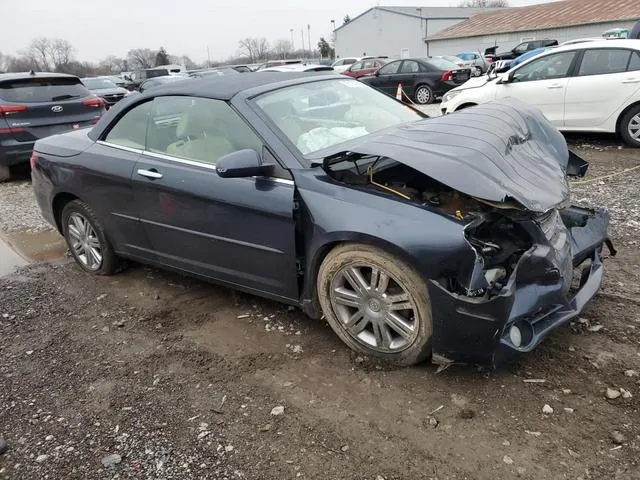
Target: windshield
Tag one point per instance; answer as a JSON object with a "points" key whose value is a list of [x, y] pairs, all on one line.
{"points": [[319, 115], [98, 83], [442, 64], [465, 56], [40, 89]]}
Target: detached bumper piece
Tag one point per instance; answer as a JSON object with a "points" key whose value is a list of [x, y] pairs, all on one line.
{"points": [[542, 294]]}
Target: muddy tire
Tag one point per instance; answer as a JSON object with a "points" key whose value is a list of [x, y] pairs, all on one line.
{"points": [[630, 127], [423, 95], [376, 303], [87, 240], [5, 173]]}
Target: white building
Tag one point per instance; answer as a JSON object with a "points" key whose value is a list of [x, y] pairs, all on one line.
{"points": [[396, 31], [562, 21]]}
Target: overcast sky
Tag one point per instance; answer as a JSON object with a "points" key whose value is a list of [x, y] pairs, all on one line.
{"points": [[100, 28]]}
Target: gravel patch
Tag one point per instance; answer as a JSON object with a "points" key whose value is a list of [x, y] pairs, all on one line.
{"points": [[19, 209]]}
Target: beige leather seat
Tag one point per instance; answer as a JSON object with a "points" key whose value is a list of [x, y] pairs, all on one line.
{"points": [[199, 139]]}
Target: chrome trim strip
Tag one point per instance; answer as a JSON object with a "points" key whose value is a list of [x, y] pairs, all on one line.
{"points": [[213, 237], [170, 158], [283, 181], [120, 147], [127, 217]]}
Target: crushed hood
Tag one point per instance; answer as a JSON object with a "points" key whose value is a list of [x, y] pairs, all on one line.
{"points": [[500, 151]]}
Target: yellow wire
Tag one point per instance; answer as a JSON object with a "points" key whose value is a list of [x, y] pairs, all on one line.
{"points": [[370, 173]]}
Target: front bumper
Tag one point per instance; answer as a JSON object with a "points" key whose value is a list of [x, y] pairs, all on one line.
{"points": [[536, 299]]}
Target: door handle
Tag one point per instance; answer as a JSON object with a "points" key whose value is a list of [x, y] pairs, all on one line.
{"points": [[555, 85], [152, 174], [631, 80]]}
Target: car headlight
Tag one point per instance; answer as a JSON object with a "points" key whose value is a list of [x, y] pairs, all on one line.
{"points": [[451, 95]]}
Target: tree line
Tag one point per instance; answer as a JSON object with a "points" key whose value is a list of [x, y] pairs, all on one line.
{"points": [[58, 55]]}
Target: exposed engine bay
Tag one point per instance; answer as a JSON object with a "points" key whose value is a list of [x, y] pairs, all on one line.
{"points": [[499, 233]]}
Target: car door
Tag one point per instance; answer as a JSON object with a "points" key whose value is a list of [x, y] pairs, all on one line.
{"points": [[408, 75], [235, 230], [386, 78], [542, 82], [606, 81], [106, 184], [354, 70], [369, 66]]}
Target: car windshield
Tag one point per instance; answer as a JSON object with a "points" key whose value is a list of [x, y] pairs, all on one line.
{"points": [[319, 115], [98, 83], [442, 64], [42, 89], [465, 56]]}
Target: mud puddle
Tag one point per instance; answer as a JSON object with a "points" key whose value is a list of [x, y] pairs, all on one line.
{"points": [[19, 248]]}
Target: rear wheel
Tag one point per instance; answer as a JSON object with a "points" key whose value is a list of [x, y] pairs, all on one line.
{"points": [[630, 127], [87, 240], [376, 303], [424, 95]]}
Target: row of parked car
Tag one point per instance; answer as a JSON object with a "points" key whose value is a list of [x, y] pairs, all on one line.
{"points": [[583, 85]]}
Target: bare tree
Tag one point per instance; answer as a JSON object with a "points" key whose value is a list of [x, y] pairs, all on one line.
{"points": [[141, 57], [5, 62], [247, 47], [111, 65], [61, 52], [485, 3], [282, 48], [39, 53], [262, 48]]}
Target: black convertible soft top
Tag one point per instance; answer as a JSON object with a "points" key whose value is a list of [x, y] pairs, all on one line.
{"points": [[500, 151]]}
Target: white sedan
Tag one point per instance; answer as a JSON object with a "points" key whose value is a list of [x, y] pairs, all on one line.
{"points": [[591, 87]]}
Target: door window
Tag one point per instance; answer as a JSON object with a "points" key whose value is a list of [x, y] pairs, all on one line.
{"points": [[348, 61], [131, 130], [369, 64], [546, 68], [634, 64], [355, 67], [520, 49], [199, 129], [409, 66], [601, 61], [390, 68]]}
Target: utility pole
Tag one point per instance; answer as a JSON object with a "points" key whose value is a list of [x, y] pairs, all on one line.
{"points": [[292, 45], [302, 36], [309, 36], [208, 57]]}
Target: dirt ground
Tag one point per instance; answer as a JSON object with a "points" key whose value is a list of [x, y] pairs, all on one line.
{"points": [[148, 374]]}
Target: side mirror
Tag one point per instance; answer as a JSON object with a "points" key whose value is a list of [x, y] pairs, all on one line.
{"points": [[243, 163], [376, 73]]}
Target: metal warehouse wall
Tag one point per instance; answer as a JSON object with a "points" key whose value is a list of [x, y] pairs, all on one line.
{"points": [[507, 41], [378, 32]]}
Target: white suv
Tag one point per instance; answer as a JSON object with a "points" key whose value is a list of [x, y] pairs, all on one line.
{"points": [[342, 64], [592, 86]]}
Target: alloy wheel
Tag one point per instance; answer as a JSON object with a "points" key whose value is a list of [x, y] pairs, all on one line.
{"points": [[84, 241], [423, 95], [634, 127], [374, 308]]}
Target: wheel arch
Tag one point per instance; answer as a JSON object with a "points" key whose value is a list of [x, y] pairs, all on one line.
{"points": [[466, 105], [319, 252], [57, 206], [623, 113]]}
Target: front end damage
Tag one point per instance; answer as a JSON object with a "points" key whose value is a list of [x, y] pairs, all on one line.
{"points": [[510, 304], [501, 174]]}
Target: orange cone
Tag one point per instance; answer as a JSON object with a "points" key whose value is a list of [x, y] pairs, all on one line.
{"points": [[399, 92]]}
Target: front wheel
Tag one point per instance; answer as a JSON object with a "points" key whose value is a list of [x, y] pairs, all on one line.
{"points": [[630, 127], [376, 303], [424, 95], [87, 239]]}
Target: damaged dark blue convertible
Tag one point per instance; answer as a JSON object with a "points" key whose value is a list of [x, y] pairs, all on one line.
{"points": [[451, 238]]}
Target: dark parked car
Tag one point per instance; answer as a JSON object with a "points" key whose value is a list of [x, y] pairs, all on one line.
{"points": [[104, 88], [519, 49], [36, 105], [422, 79], [450, 236], [158, 81], [365, 67]]}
